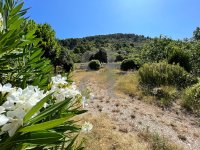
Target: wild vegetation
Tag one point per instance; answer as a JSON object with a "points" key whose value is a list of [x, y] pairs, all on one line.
{"points": [[166, 65], [39, 109]]}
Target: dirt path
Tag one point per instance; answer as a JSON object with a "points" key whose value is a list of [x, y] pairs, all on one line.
{"points": [[132, 115]]}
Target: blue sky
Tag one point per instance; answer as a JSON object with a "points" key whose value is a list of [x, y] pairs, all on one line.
{"points": [[79, 18]]}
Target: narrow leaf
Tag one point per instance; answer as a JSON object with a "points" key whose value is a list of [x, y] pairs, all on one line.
{"points": [[36, 108], [46, 125]]}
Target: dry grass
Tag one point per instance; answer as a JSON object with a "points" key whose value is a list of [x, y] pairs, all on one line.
{"points": [[100, 75], [128, 83], [157, 142], [105, 136]]}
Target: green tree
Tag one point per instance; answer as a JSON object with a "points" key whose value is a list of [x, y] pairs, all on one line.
{"points": [[49, 43], [156, 50], [196, 34]]}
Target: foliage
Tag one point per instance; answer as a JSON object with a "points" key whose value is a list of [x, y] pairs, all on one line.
{"points": [[52, 49], [157, 74], [38, 119], [180, 57], [20, 57], [165, 95], [49, 42], [39, 116], [128, 64], [191, 98], [119, 58], [115, 43], [101, 55], [94, 65], [196, 34], [156, 50], [195, 58], [65, 61]]}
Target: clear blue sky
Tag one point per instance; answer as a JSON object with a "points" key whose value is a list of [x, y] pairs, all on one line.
{"points": [[79, 18]]}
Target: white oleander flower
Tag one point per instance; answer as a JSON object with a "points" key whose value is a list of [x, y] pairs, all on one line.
{"points": [[87, 127], [18, 113], [59, 80], [3, 118], [12, 127], [62, 89], [6, 88]]}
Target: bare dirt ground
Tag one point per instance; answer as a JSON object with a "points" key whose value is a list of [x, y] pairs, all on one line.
{"points": [[132, 115]]}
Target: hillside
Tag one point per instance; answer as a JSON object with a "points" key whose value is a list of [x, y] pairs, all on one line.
{"points": [[113, 43], [115, 40]]}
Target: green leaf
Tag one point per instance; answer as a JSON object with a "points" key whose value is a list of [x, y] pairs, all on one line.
{"points": [[39, 138], [69, 147], [16, 9], [46, 125], [49, 111], [36, 108]]}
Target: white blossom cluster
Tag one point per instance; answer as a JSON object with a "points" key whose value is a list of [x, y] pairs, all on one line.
{"points": [[20, 101]]}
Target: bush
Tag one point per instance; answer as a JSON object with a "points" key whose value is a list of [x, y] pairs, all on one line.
{"points": [[129, 64], [119, 58], [94, 65], [191, 98], [101, 55], [34, 113], [195, 58], [165, 95], [157, 74], [181, 58]]}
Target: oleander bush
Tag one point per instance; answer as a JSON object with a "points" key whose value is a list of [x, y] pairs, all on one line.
{"points": [[36, 110], [158, 74], [94, 65], [20, 56], [191, 98], [129, 64]]}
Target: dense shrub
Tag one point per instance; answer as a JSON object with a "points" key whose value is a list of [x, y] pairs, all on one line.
{"points": [[195, 58], [156, 50], [119, 58], [157, 74], [94, 65], [191, 98], [128, 64], [65, 61], [181, 58], [101, 55]]}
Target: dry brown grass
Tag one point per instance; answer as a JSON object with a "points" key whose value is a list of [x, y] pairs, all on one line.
{"points": [[157, 142], [128, 83], [100, 75], [104, 136]]}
